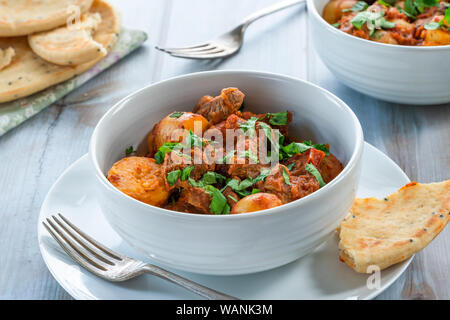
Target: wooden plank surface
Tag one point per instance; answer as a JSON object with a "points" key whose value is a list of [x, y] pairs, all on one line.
{"points": [[36, 153]]}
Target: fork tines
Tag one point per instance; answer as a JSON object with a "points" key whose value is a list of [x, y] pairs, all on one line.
{"points": [[202, 51], [82, 248]]}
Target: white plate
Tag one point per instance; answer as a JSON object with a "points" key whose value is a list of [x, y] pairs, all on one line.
{"points": [[319, 275]]}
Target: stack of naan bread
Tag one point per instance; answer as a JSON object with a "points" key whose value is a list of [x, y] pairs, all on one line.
{"points": [[45, 42], [382, 232]]}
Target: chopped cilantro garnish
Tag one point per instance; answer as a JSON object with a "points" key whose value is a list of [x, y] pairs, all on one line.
{"points": [[176, 115], [228, 156], [196, 184], [285, 176], [359, 6], [226, 209], [409, 7], [250, 155], [318, 146], [208, 178], [166, 148], [218, 203], [268, 132], [249, 126], [336, 25], [264, 173], [194, 140], [313, 170], [173, 176], [278, 119], [437, 25], [254, 190], [130, 150], [185, 173], [373, 20], [212, 177], [299, 147], [384, 3], [239, 187], [405, 13], [232, 198], [412, 8], [290, 166]]}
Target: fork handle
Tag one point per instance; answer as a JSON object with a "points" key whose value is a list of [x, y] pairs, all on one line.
{"points": [[187, 284], [270, 9]]}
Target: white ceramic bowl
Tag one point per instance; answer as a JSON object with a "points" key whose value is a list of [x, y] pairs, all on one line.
{"points": [[229, 244], [402, 74]]}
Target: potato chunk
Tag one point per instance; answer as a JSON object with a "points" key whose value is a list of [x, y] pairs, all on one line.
{"points": [[141, 179], [256, 202], [333, 9], [174, 128], [437, 38]]}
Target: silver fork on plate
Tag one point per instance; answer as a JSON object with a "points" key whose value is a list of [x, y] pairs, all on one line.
{"points": [[111, 265], [228, 43]]}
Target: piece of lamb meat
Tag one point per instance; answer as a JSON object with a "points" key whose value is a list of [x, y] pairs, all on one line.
{"points": [[219, 108]]}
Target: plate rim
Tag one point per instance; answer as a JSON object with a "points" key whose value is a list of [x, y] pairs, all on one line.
{"points": [[82, 296]]}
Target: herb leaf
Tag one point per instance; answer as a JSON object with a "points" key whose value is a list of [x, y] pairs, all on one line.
{"points": [[176, 115], [173, 176], [313, 170], [286, 176], [384, 3], [228, 156], [185, 173], [218, 203], [373, 20], [278, 119], [436, 25], [130, 150], [359, 6], [194, 140], [298, 147], [268, 131], [249, 126], [166, 148], [250, 155], [432, 26], [212, 177], [208, 178]]}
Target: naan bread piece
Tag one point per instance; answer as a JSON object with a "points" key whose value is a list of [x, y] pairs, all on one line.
{"points": [[69, 45], [23, 17], [383, 232], [6, 56], [28, 73]]}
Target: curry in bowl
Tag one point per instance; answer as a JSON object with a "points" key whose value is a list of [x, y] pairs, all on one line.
{"points": [[221, 159], [409, 22]]}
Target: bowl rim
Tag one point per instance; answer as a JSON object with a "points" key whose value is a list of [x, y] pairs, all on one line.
{"points": [[312, 8], [333, 185]]}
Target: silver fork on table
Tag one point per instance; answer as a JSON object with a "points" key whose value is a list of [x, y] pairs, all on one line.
{"points": [[111, 265], [229, 43]]}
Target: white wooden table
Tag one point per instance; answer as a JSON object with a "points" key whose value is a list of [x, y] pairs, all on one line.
{"points": [[33, 155]]}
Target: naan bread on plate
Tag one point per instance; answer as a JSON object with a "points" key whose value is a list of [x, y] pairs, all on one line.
{"points": [[23, 17], [69, 45], [6, 56], [28, 73], [382, 232]]}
